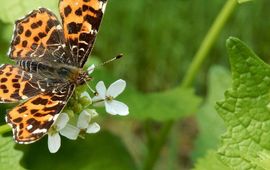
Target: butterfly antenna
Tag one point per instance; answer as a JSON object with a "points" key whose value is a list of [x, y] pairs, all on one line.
{"points": [[91, 69], [108, 61]]}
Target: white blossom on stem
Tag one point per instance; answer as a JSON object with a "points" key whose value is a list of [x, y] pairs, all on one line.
{"points": [[107, 97]]}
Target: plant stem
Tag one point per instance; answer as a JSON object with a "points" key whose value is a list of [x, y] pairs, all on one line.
{"points": [[208, 42], [4, 129], [160, 141], [196, 64]]}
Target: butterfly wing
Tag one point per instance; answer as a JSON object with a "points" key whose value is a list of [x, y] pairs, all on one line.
{"points": [[31, 120], [16, 84], [81, 20], [39, 36]]}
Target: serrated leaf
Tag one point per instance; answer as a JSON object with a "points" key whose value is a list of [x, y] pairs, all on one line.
{"points": [[207, 117], [246, 109], [172, 104], [210, 162], [263, 160], [97, 152], [15, 9], [9, 156]]}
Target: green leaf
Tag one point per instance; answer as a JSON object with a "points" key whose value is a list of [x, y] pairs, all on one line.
{"points": [[263, 160], [9, 156], [207, 117], [245, 110], [97, 152], [14, 9], [172, 104], [210, 162]]}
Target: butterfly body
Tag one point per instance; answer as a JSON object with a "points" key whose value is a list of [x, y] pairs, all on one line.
{"points": [[49, 60], [58, 72]]}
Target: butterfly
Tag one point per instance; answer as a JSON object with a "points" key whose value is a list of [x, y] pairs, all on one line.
{"points": [[49, 59]]}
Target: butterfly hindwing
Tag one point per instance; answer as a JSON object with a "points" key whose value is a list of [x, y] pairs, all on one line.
{"points": [[39, 36], [81, 21], [16, 84], [31, 120]]}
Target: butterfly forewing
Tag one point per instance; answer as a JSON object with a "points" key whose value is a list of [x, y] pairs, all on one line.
{"points": [[39, 36], [81, 21], [31, 120]]}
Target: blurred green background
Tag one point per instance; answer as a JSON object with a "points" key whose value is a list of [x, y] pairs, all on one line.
{"points": [[158, 39]]}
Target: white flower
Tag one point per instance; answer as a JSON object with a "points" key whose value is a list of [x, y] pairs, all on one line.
{"points": [[106, 97], [61, 126], [91, 69], [84, 121]]}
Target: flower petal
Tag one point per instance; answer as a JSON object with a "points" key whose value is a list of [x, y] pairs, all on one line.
{"points": [[93, 128], [61, 121], [115, 107], [83, 120], [54, 142], [99, 104], [97, 99], [93, 112], [91, 69], [116, 88], [101, 89], [70, 132]]}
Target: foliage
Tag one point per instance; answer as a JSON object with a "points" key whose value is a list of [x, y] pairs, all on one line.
{"points": [[158, 39], [210, 162], [207, 117], [97, 152], [176, 103], [245, 109], [20, 8], [9, 156]]}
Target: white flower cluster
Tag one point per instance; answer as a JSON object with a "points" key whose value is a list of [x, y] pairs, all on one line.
{"points": [[104, 97]]}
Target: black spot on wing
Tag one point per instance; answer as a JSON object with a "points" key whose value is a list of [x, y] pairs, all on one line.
{"points": [[17, 40], [39, 22], [16, 85], [67, 10], [78, 12], [20, 29], [3, 86], [3, 80], [28, 33], [22, 109], [24, 43], [34, 25], [17, 120], [33, 111], [40, 101], [33, 122], [74, 28], [41, 35], [36, 38]]}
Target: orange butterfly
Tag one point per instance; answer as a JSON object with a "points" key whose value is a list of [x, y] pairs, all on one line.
{"points": [[49, 59]]}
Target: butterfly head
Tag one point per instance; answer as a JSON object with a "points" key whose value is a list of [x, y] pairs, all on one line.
{"points": [[82, 78]]}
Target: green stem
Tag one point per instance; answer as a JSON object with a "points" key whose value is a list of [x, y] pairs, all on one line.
{"points": [[208, 42], [4, 129], [160, 141], [194, 67]]}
